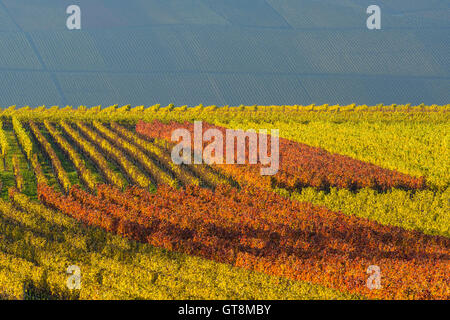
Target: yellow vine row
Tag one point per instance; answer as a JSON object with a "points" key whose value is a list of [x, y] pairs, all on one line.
{"points": [[130, 169], [136, 154], [90, 151], [61, 174]]}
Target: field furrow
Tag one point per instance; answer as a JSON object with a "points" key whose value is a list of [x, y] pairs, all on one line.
{"points": [[60, 173], [161, 156], [84, 173], [314, 244], [135, 175], [299, 166], [352, 210], [150, 166]]}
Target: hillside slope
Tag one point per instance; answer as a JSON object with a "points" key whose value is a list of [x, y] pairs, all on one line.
{"points": [[224, 52]]}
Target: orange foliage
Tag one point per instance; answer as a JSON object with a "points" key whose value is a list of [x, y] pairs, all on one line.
{"points": [[263, 231]]}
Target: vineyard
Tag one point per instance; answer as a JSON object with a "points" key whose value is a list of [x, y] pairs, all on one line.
{"points": [[358, 186]]}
